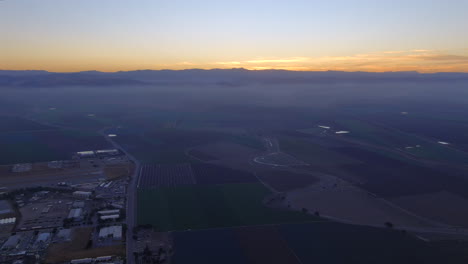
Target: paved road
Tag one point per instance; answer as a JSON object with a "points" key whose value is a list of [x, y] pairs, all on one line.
{"points": [[131, 200]]}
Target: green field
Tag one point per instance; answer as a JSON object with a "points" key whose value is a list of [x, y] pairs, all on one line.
{"points": [[210, 206], [40, 146]]}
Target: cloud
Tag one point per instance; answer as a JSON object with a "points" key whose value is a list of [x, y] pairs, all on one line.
{"points": [[409, 60], [228, 63], [393, 52], [186, 63], [286, 60], [421, 50], [444, 57]]}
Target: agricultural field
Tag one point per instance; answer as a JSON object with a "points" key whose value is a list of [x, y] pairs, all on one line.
{"points": [[337, 199], [157, 176], [317, 242], [199, 155], [214, 174], [17, 124], [389, 177], [222, 150], [173, 175], [283, 180], [171, 145], [38, 146], [443, 206], [311, 153], [210, 206]]}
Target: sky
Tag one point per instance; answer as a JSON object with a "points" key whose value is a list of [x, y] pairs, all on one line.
{"points": [[123, 35]]}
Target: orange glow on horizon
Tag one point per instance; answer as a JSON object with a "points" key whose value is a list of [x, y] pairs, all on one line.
{"points": [[424, 61]]}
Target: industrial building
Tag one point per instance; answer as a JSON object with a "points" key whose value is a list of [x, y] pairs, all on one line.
{"points": [[109, 217], [75, 213], [114, 232], [11, 243], [85, 154], [64, 234], [42, 237], [5, 207], [6, 221], [107, 152], [82, 194], [109, 212], [78, 204]]}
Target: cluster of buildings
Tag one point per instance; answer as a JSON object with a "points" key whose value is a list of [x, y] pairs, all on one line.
{"points": [[32, 221]]}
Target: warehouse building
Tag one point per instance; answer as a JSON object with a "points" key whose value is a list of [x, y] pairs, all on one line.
{"points": [[11, 243], [75, 213], [114, 232], [82, 194]]}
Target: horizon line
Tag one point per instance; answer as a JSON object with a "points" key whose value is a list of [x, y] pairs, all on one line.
{"points": [[227, 69]]}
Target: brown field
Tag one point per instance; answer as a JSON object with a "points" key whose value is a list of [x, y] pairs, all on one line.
{"points": [[115, 171], [283, 180], [444, 207], [76, 249], [47, 177], [340, 200]]}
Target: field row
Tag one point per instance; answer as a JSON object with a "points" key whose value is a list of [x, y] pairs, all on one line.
{"points": [[167, 175]]}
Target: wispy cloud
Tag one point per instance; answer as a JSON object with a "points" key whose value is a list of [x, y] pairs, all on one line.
{"points": [[422, 60], [187, 63]]}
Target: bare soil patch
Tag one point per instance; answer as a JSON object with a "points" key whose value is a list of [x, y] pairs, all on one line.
{"points": [[442, 206]]}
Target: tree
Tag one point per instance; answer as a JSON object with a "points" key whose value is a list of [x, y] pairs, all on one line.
{"points": [[389, 224], [147, 252]]}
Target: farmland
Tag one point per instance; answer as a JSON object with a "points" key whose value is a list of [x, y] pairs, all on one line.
{"points": [[155, 176], [17, 124], [213, 174], [172, 175], [396, 177], [170, 145], [209, 206], [283, 180], [37, 146], [307, 243]]}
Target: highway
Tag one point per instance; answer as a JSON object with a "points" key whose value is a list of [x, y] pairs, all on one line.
{"points": [[131, 200]]}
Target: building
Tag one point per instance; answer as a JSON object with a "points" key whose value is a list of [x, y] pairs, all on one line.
{"points": [[11, 243], [64, 234], [5, 207], [85, 154], [82, 194], [103, 258], [6, 221], [110, 217], [75, 213], [109, 212], [107, 152], [42, 237], [114, 232], [78, 204], [80, 261]]}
